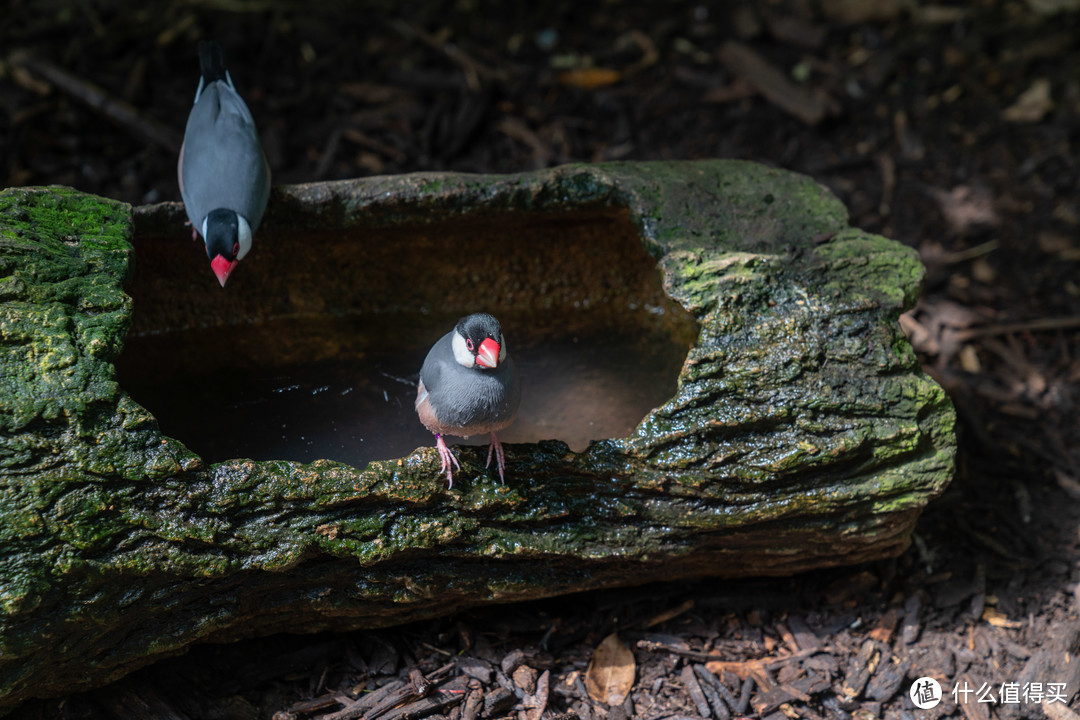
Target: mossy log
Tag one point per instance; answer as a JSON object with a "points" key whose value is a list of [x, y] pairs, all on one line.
{"points": [[802, 434]]}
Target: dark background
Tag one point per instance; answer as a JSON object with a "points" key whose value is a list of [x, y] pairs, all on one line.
{"points": [[952, 128]]}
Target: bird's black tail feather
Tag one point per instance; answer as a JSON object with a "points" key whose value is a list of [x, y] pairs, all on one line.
{"points": [[212, 62]]}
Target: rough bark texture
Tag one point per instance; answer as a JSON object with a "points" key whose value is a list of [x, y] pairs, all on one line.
{"points": [[803, 434]]}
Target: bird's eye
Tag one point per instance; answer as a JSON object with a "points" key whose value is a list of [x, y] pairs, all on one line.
{"points": [[235, 249], [469, 344]]}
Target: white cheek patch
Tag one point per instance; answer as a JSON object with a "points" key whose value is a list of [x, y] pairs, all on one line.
{"points": [[204, 229], [502, 348], [244, 237], [461, 352]]}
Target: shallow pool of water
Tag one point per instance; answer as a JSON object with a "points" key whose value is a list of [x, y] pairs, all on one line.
{"points": [[358, 405]]}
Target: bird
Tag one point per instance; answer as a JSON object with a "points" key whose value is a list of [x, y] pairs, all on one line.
{"points": [[469, 386], [223, 173]]}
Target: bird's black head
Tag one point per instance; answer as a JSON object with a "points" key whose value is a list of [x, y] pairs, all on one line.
{"points": [[478, 341], [228, 239], [221, 231]]}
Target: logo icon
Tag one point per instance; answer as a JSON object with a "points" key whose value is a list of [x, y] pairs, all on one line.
{"points": [[925, 693]]}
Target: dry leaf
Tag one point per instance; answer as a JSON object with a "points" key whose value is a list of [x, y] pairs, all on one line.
{"points": [[966, 207], [999, 619], [983, 271], [969, 359], [611, 671], [1058, 244], [1032, 105], [589, 78], [1053, 242]]}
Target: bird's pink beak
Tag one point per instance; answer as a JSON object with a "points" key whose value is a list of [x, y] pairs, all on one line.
{"points": [[222, 268], [488, 356]]}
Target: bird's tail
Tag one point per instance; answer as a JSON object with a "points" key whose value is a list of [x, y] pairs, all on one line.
{"points": [[212, 62]]}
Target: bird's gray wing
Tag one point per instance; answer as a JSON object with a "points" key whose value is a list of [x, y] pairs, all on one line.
{"points": [[434, 367], [222, 164]]}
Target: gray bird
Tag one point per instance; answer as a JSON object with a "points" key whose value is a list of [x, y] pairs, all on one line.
{"points": [[468, 386], [224, 176]]}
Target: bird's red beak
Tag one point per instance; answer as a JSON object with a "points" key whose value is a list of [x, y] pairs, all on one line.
{"points": [[488, 356], [222, 268]]}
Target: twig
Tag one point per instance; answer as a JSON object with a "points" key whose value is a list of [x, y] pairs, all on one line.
{"points": [[472, 69], [743, 668], [358, 707], [358, 137], [738, 667], [719, 697], [306, 707], [693, 689], [744, 696], [652, 646], [670, 614], [888, 181], [395, 693], [328, 153], [773, 84], [451, 693], [99, 99], [1037, 325], [971, 253]]}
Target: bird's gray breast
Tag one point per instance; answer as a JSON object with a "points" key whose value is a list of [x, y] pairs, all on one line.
{"points": [[464, 397]]}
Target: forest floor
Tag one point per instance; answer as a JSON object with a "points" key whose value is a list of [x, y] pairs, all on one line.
{"points": [[954, 129]]}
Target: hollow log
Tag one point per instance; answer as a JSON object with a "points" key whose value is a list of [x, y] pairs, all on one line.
{"points": [[802, 432]]}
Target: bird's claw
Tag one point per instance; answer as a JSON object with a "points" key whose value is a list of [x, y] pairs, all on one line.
{"points": [[500, 458], [446, 456], [450, 461]]}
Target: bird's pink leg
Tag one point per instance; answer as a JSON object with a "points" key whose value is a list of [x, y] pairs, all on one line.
{"points": [[446, 456], [194, 232], [500, 459]]}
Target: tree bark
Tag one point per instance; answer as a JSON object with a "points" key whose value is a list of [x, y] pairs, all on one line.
{"points": [[802, 434]]}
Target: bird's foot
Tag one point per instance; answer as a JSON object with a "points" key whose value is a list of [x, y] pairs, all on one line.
{"points": [[500, 458], [447, 457], [194, 232]]}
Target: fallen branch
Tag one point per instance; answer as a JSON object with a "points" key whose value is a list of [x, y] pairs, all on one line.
{"points": [[473, 69], [112, 107], [716, 665], [1037, 325], [745, 668], [747, 64]]}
